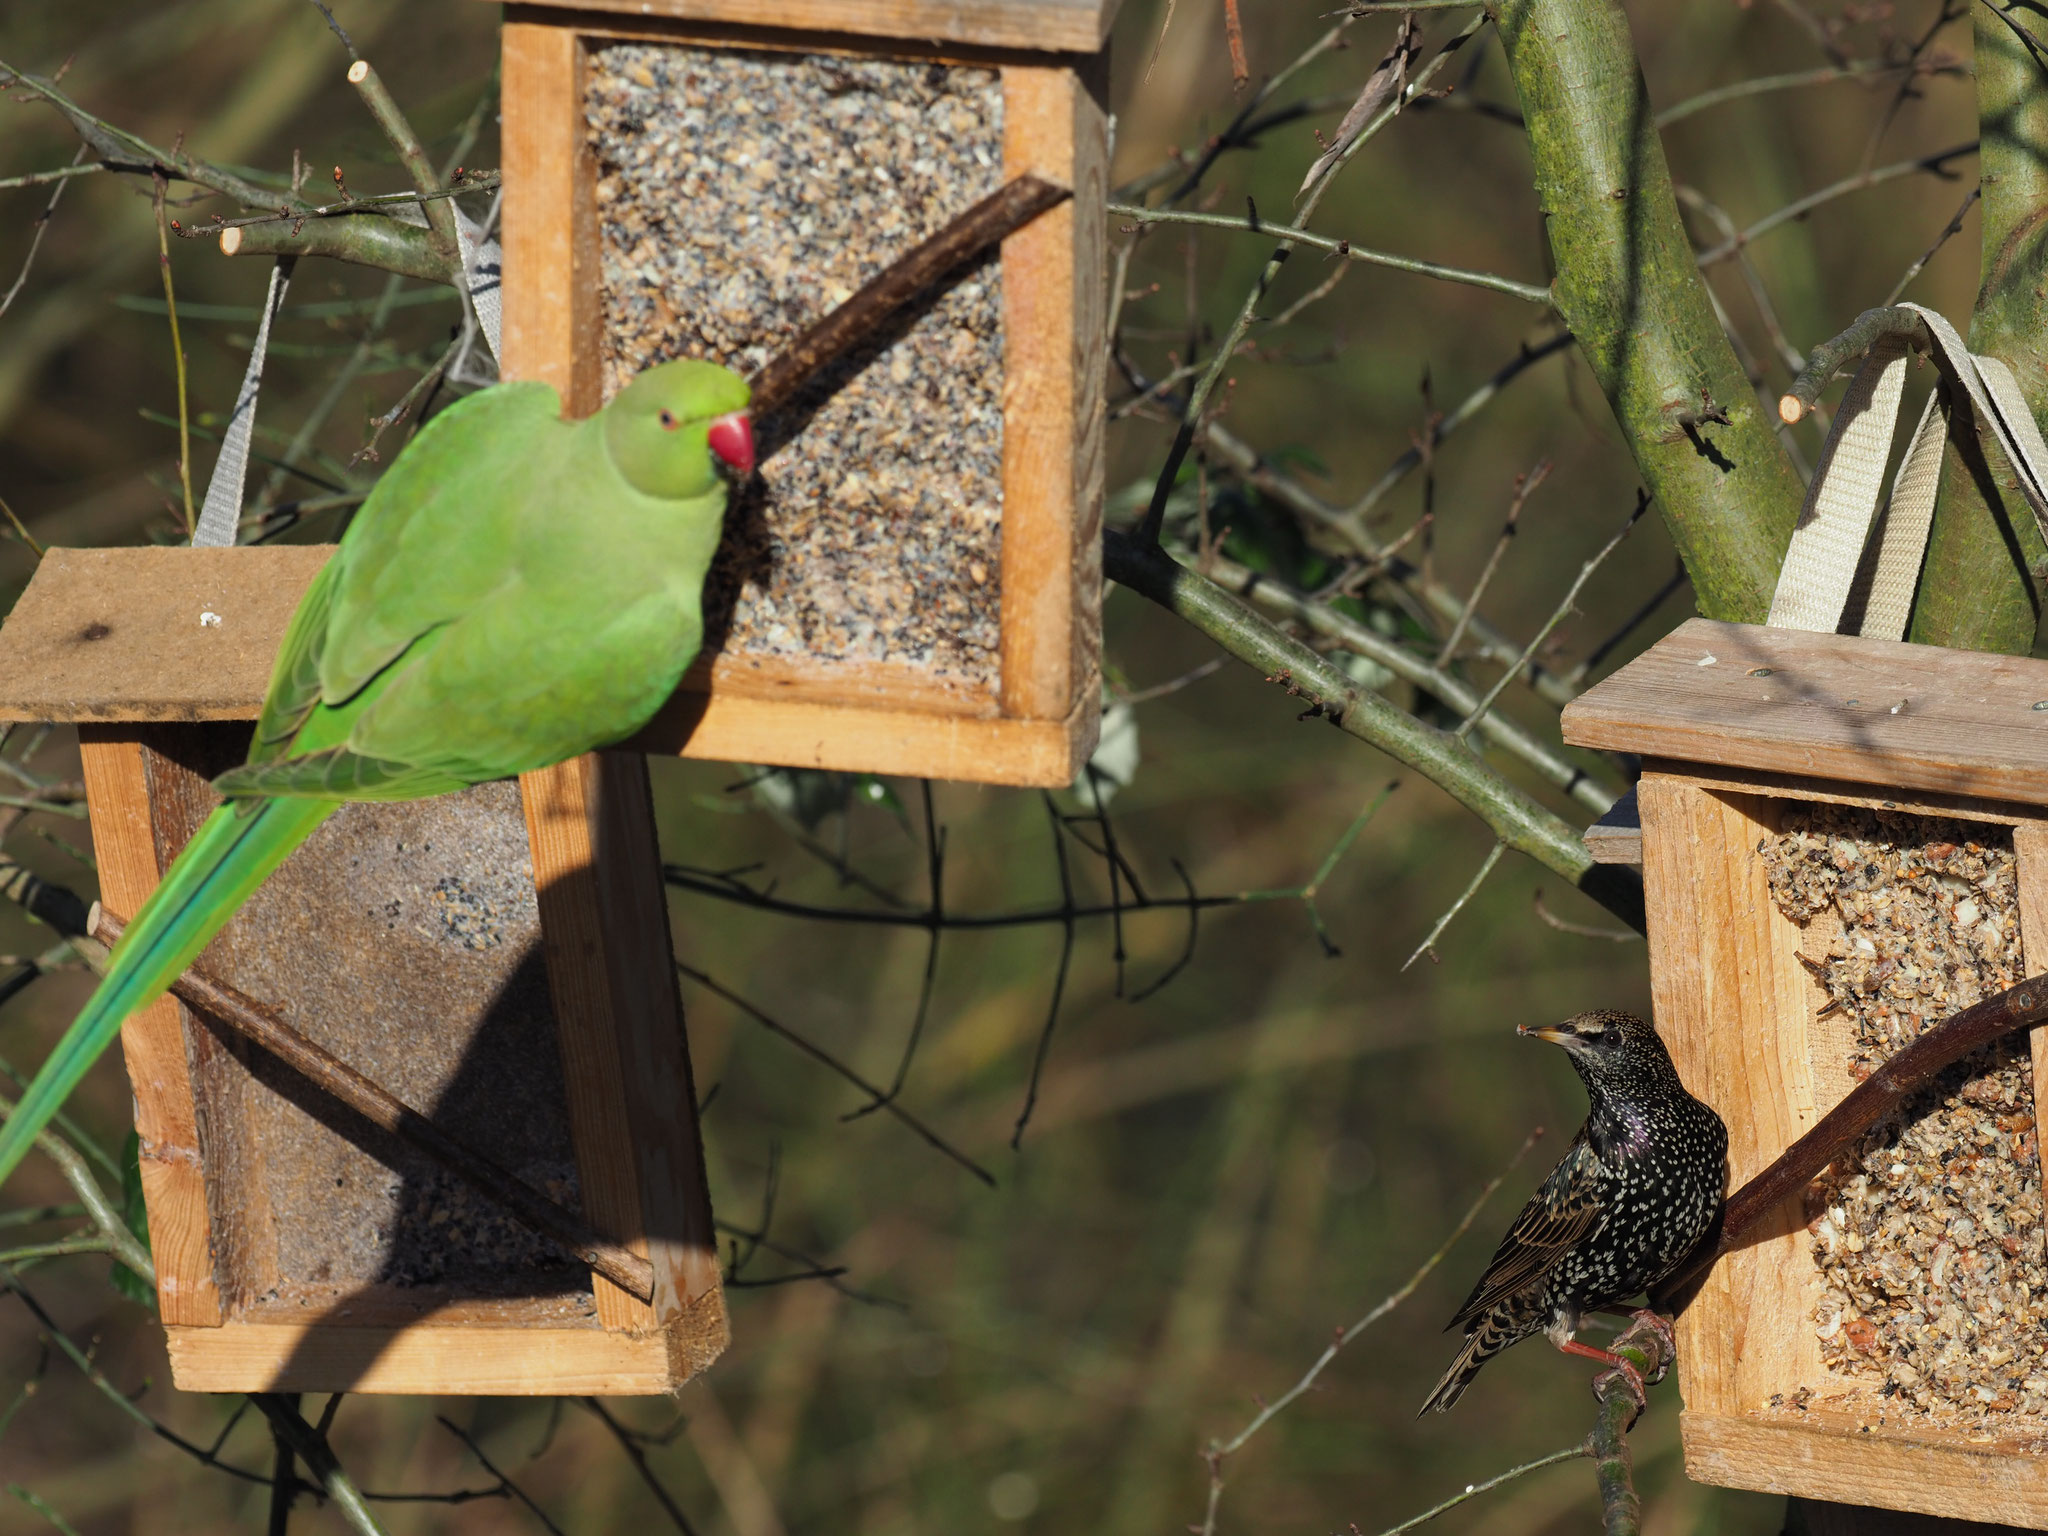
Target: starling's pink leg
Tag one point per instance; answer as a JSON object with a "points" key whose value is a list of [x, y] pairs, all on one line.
{"points": [[1625, 1366]]}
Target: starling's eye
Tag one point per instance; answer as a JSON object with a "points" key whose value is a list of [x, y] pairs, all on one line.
{"points": [[668, 421]]}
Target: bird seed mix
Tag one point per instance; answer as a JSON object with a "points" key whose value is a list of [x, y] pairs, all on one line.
{"points": [[1928, 1233], [742, 196]]}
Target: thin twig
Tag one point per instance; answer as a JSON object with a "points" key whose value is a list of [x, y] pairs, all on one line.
{"points": [[1473, 1490], [1556, 617], [1531, 293], [1799, 208], [1584, 930], [1428, 945], [826, 1059], [163, 256], [1362, 639], [1949, 230], [511, 1489], [42, 222], [1195, 410], [1858, 69], [630, 1444], [1219, 1451], [1525, 487]]}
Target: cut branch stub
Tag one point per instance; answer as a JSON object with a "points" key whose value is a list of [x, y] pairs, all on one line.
{"points": [[1908, 1071], [988, 222]]}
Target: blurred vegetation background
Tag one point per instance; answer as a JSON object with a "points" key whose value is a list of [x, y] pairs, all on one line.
{"points": [[1219, 1171]]}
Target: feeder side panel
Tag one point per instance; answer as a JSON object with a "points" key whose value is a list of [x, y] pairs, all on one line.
{"points": [[550, 220], [406, 939], [1934, 1475], [631, 1107], [467, 1358], [1053, 364], [1730, 998], [2030, 844], [176, 762], [1050, 26], [152, 1040]]}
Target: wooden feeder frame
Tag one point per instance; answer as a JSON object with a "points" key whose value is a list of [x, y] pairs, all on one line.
{"points": [[111, 639], [1038, 726], [1734, 722]]}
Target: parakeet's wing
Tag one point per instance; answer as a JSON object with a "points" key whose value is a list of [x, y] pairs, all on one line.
{"points": [[430, 545], [1561, 1212], [295, 675]]}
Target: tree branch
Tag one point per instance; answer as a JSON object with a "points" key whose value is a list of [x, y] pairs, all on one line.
{"points": [[1516, 819], [1975, 590], [1631, 293]]}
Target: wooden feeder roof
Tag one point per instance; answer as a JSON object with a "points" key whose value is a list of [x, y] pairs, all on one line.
{"points": [[1787, 701], [151, 634], [1044, 26]]}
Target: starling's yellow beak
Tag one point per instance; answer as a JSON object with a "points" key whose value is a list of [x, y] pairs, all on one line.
{"points": [[1548, 1032]]}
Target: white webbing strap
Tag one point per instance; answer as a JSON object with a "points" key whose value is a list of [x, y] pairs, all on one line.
{"points": [[1834, 526], [221, 515]]}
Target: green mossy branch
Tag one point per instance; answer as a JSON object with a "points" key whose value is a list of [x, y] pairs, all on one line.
{"points": [[1629, 288], [1514, 817], [1975, 591]]}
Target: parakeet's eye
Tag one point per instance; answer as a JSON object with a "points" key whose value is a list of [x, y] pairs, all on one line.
{"points": [[669, 422]]}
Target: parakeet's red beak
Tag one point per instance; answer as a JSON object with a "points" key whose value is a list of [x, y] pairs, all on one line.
{"points": [[731, 437]]}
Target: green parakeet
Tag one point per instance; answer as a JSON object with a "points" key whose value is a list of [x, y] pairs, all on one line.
{"points": [[518, 589]]}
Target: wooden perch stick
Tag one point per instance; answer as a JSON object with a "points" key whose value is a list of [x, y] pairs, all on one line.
{"points": [[223, 1005], [999, 214], [1909, 1070]]}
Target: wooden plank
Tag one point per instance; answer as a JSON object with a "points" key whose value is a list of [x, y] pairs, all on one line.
{"points": [[1832, 706], [809, 680], [1731, 1000], [550, 217], [1065, 26], [1037, 753], [1789, 786], [150, 634], [666, 1151], [563, 831], [2030, 849], [1617, 837], [463, 1359], [153, 1041], [1830, 1457], [1052, 377]]}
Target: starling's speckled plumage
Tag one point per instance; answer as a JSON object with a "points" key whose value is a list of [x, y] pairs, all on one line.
{"points": [[1634, 1193]]}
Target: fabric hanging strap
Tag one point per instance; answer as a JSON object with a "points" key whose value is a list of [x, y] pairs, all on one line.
{"points": [[220, 516], [1833, 531], [1827, 542]]}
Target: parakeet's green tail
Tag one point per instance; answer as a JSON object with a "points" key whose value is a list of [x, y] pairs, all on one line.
{"points": [[232, 853]]}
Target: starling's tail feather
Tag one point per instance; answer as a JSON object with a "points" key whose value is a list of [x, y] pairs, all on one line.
{"points": [[1452, 1387], [233, 852]]}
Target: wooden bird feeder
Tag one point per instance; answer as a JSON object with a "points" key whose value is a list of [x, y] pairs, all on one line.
{"points": [[913, 586], [497, 960], [1843, 841]]}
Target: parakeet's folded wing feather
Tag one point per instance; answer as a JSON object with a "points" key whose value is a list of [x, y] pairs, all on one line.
{"points": [[1561, 1212], [457, 486], [295, 675]]}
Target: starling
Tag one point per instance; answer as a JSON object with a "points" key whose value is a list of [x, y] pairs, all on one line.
{"points": [[1634, 1193]]}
